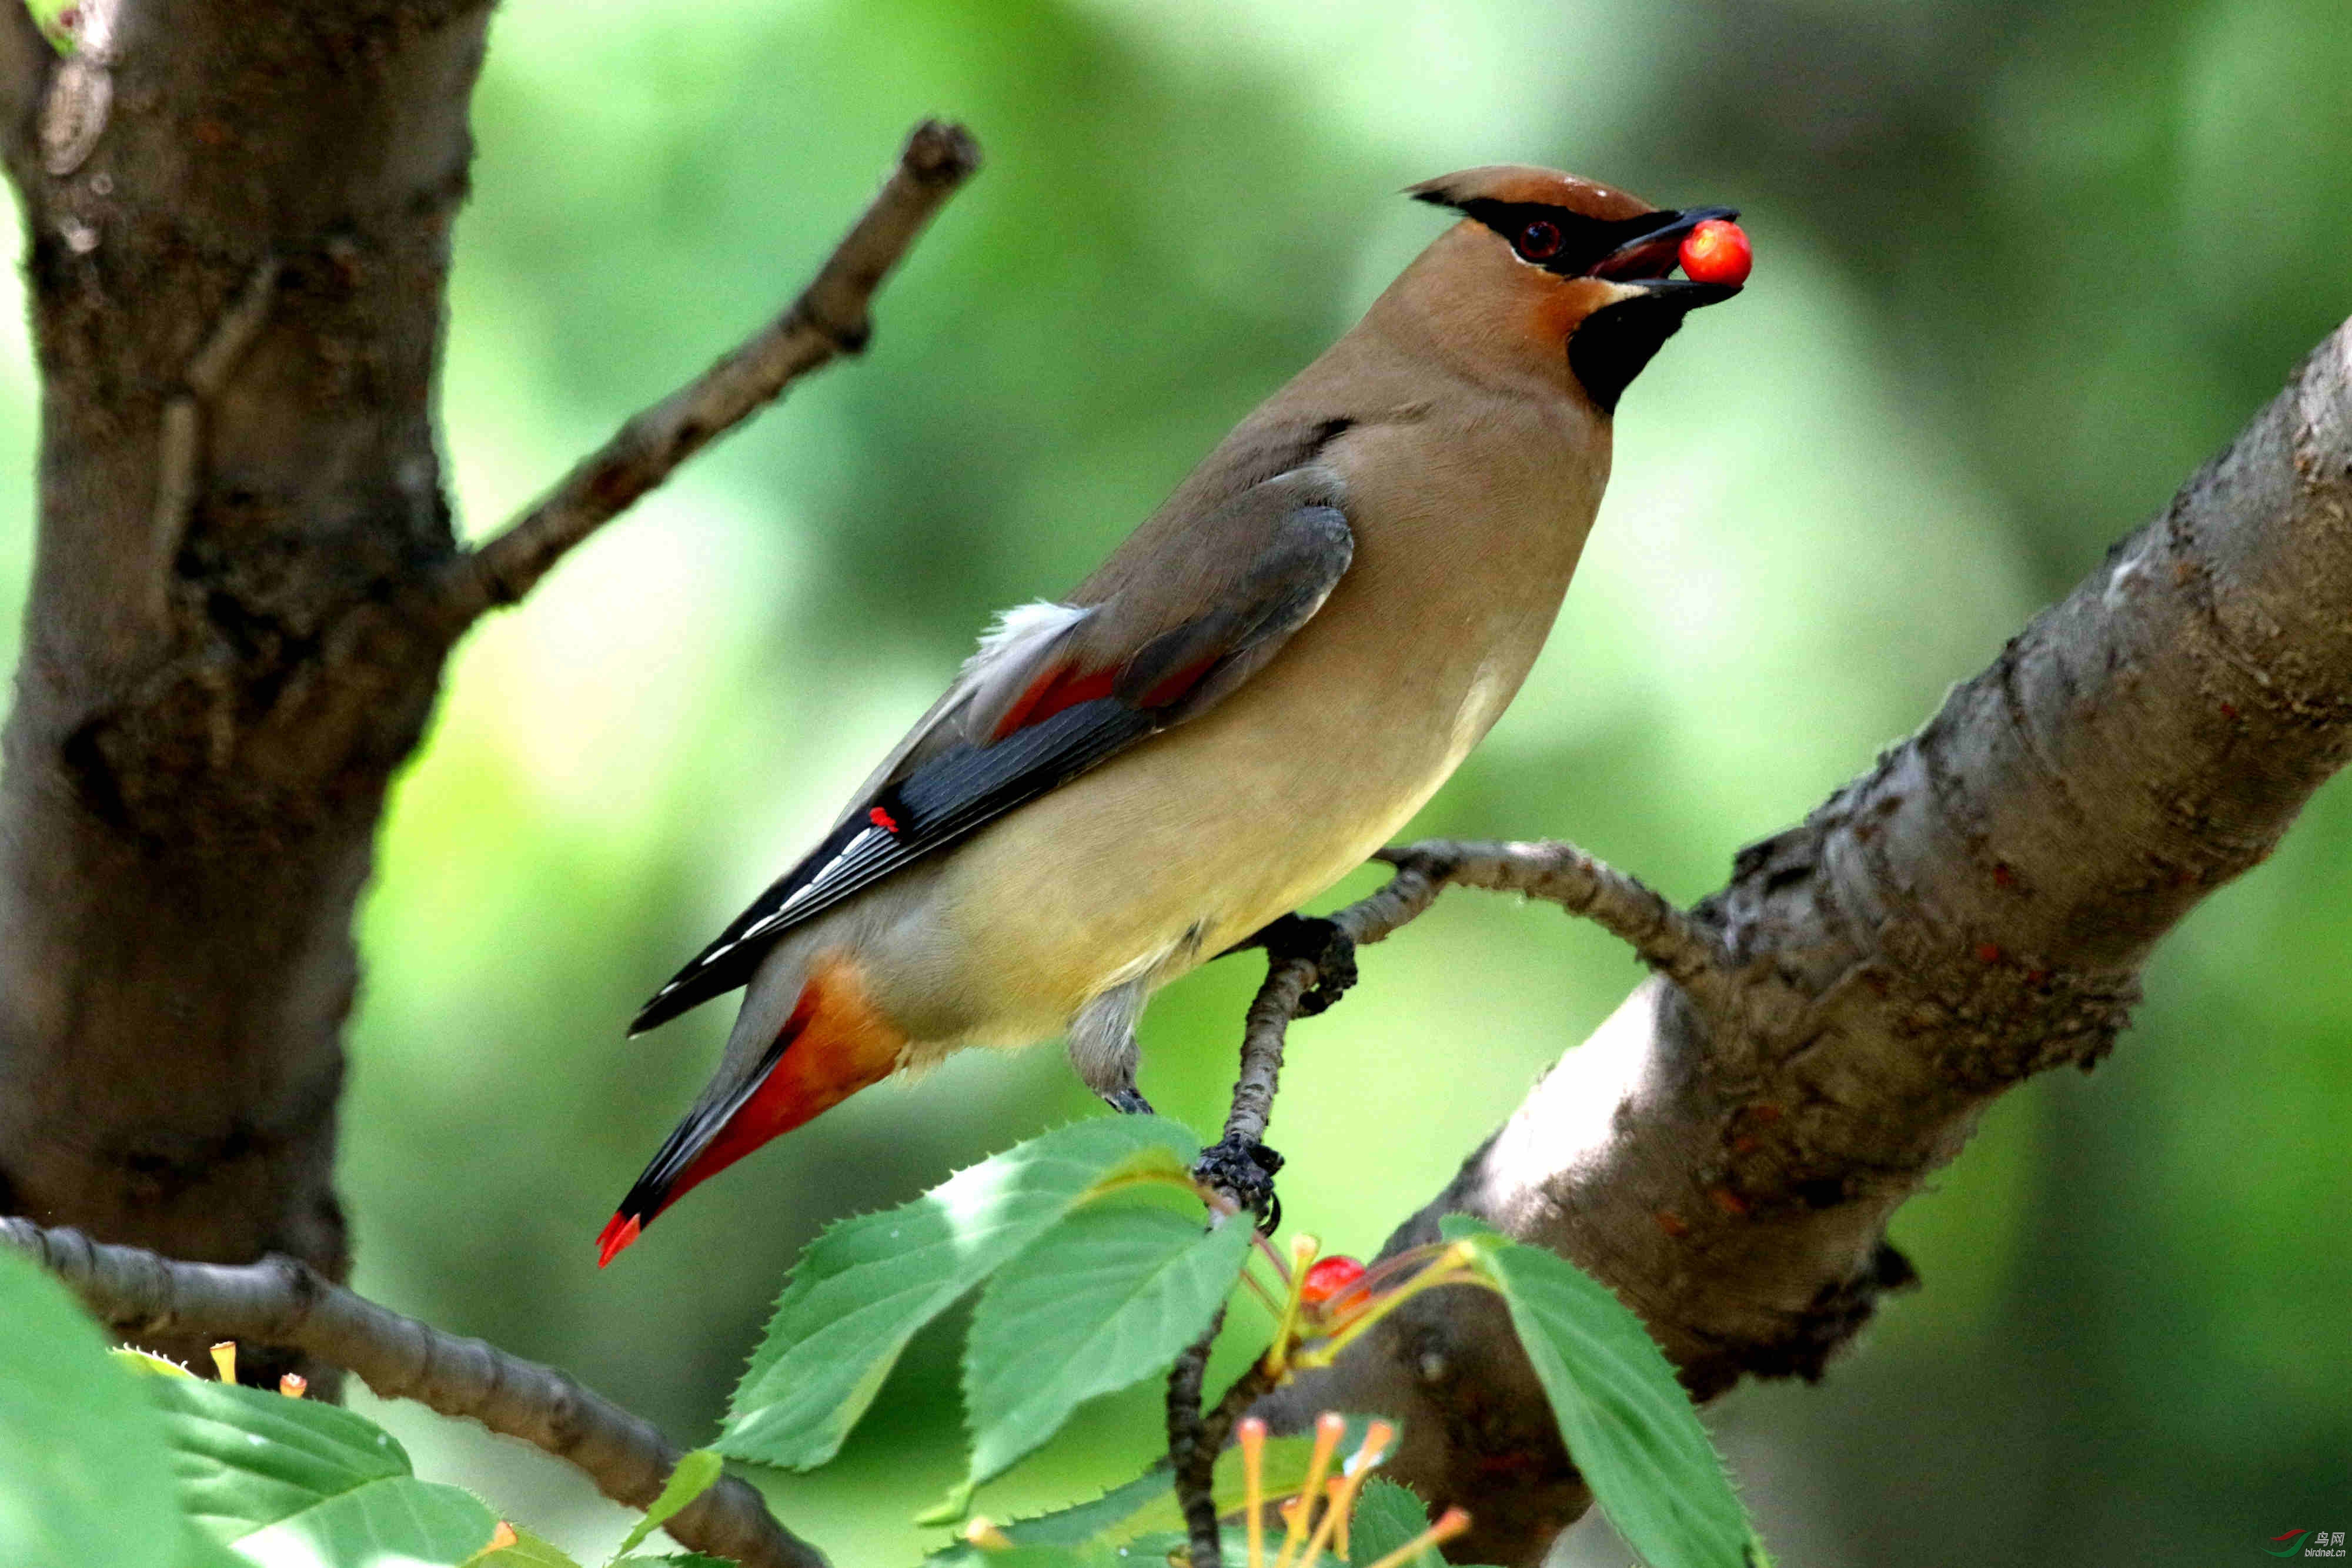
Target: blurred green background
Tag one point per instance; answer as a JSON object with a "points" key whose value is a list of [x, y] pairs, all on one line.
{"points": [[2020, 268]]}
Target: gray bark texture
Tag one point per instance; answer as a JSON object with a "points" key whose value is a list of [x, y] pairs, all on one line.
{"points": [[237, 219], [247, 583], [1725, 1152]]}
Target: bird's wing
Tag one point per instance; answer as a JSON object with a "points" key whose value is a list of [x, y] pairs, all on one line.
{"points": [[1057, 690]]}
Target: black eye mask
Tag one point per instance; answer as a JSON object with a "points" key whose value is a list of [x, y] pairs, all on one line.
{"points": [[1568, 243]]}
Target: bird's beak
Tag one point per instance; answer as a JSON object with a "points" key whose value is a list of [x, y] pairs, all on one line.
{"points": [[1650, 255], [1679, 295]]}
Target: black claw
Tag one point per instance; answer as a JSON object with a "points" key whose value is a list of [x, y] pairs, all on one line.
{"points": [[1245, 1172], [1128, 1103], [1322, 944]]}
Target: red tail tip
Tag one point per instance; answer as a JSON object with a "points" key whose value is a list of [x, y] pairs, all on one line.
{"points": [[619, 1232]]}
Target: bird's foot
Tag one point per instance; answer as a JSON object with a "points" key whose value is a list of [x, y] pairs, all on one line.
{"points": [[1244, 1172], [1321, 943], [1128, 1102]]}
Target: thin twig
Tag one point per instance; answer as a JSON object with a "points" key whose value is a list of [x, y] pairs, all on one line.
{"points": [[1265, 1028], [1217, 1425], [828, 320], [1190, 1452], [179, 469], [1665, 937], [281, 1300], [1195, 1438]]}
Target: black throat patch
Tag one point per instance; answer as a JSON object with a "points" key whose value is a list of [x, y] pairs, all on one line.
{"points": [[1614, 344]]}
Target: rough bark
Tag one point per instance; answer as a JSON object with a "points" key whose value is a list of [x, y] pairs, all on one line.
{"points": [[218, 676], [1974, 909], [245, 588], [247, 585], [25, 62]]}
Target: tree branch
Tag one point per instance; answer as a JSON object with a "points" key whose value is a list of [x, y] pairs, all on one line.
{"points": [[1725, 1153], [1192, 1452], [24, 62], [1670, 942], [189, 807], [1667, 939], [828, 320], [280, 1301]]}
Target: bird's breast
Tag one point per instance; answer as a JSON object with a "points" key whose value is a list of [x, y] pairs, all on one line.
{"points": [[1465, 538]]}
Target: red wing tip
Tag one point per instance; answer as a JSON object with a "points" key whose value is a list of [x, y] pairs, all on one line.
{"points": [[619, 1232]]}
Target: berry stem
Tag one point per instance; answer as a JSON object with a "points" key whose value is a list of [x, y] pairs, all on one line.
{"points": [[1456, 1264]]}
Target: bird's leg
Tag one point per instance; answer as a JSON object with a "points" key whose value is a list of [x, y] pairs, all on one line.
{"points": [[1104, 1050], [1310, 963]]}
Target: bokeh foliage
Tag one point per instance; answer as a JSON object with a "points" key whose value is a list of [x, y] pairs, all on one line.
{"points": [[2021, 267]]}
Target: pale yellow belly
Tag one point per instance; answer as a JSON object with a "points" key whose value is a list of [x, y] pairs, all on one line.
{"points": [[1162, 858], [1169, 853]]}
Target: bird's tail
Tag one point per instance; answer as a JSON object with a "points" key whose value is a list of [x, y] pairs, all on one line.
{"points": [[831, 1045]]}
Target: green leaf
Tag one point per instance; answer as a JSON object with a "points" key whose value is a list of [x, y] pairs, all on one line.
{"points": [[1108, 1297], [674, 1560], [696, 1473], [403, 1520], [85, 1479], [198, 1549], [1283, 1470], [1146, 1507], [1387, 1516], [49, 16], [1159, 1548], [293, 1482], [147, 1362], [1049, 1557], [528, 1551], [1098, 1520], [1628, 1424], [862, 1290]]}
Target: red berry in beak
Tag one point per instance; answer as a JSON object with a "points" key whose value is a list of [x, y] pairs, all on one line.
{"points": [[1330, 1277], [1717, 252]]}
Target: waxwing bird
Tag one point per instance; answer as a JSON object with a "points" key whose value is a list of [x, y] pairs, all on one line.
{"points": [[1248, 697]]}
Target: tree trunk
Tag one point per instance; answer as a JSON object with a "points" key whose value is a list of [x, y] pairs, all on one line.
{"points": [[238, 241]]}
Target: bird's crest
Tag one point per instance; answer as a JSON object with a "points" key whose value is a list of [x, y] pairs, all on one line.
{"points": [[1524, 184]]}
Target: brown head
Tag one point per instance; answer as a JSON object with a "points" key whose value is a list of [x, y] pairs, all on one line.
{"points": [[1555, 274]]}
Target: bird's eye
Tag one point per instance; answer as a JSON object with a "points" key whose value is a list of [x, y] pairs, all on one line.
{"points": [[1540, 241]]}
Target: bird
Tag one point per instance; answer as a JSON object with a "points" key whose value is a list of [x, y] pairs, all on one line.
{"points": [[1263, 682]]}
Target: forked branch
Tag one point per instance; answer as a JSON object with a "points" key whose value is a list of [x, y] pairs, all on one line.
{"points": [[1666, 938]]}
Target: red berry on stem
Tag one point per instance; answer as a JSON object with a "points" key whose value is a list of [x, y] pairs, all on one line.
{"points": [[1717, 251], [1330, 1277]]}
